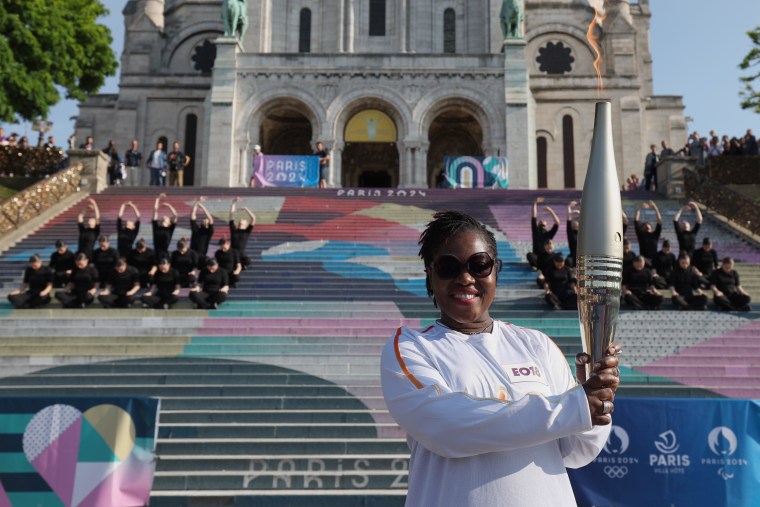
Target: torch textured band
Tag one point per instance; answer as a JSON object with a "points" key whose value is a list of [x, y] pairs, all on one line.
{"points": [[599, 281], [599, 275]]}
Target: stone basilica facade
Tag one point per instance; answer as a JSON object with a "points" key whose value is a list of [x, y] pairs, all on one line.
{"points": [[389, 86]]}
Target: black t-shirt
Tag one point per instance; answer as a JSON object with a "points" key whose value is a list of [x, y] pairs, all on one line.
{"points": [[87, 239], [142, 261], [686, 239], [126, 237], [121, 283], [228, 260], [239, 237], [540, 236], [165, 283], [572, 238], [664, 263], [628, 260], [37, 280], [322, 154], [61, 262], [132, 158], [200, 237], [213, 282], [684, 281], [184, 262], [85, 279], [104, 261], [176, 160], [725, 282], [648, 240], [560, 280], [638, 281], [162, 237], [705, 261]]}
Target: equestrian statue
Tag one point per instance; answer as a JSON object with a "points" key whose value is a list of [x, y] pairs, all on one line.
{"points": [[512, 17], [235, 18]]}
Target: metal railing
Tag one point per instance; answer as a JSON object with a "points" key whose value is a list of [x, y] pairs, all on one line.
{"points": [[26, 204]]}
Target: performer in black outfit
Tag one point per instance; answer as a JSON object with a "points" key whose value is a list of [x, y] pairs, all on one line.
{"points": [[163, 230], [685, 286], [123, 285], [83, 284], [229, 261], [639, 289], [89, 230], [62, 264], [36, 286], [728, 293], [164, 292], [561, 290], [143, 259], [185, 261], [648, 236], [127, 231], [104, 259], [545, 262], [201, 233], [539, 233], [664, 263], [705, 260], [240, 233], [572, 233], [687, 236], [212, 287], [628, 255]]}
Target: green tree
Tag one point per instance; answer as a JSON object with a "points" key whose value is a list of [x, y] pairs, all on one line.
{"points": [[751, 97], [49, 47]]}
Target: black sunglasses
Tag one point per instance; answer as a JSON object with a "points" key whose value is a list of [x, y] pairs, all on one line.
{"points": [[479, 265]]}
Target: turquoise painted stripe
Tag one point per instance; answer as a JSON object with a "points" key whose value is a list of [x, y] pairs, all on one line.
{"points": [[48, 499], [15, 463], [14, 423]]}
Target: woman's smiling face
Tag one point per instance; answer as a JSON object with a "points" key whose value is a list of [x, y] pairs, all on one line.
{"points": [[464, 301]]}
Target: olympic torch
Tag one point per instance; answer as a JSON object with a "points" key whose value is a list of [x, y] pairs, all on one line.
{"points": [[600, 242]]}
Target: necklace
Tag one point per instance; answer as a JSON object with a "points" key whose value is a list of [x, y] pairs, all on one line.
{"points": [[469, 333]]}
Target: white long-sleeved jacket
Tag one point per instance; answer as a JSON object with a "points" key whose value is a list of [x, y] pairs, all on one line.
{"points": [[492, 420]]}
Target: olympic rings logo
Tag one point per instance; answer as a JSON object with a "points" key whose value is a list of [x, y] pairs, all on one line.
{"points": [[615, 472]]}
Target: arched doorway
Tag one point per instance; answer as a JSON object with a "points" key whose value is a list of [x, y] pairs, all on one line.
{"points": [[286, 130], [454, 132], [370, 157]]}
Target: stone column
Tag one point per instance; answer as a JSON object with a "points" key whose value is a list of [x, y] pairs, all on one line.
{"points": [[349, 27], [342, 26], [336, 165], [420, 165], [520, 116], [402, 12], [220, 115]]}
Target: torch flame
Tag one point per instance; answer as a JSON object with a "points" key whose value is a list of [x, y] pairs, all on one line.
{"points": [[592, 34]]}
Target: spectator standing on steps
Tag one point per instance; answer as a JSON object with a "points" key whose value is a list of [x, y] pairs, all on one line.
{"points": [[123, 285], [324, 164], [163, 230], [650, 169], [164, 291], [35, 287], [89, 229], [157, 163], [83, 284], [647, 235], [133, 160], [177, 161], [126, 232], [728, 293], [539, 232], [687, 236]]}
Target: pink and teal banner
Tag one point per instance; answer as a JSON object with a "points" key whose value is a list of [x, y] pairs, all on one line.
{"points": [[476, 172], [77, 452], [286, 171]]}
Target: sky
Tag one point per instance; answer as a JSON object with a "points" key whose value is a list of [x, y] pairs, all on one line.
{"points": [[696, 47]]}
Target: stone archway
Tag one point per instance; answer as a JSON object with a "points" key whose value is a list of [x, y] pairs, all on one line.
{"points": [[455, 131], [370, 156], [286, 130]]}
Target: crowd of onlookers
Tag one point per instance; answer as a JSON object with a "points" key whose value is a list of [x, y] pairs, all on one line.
{"points": [[133, 272], [18, 158], [688, 276], [698, 147]]}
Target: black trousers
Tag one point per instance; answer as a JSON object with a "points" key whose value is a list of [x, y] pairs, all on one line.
{"points": [[74, 299], [563, 301], [186, 280], [116, 300], [690, 302], [158, 301], [60, 279], [733, 302], [644, 300], [28, 300], [206, 300]]}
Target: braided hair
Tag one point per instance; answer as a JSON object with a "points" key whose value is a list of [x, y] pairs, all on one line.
{"points": [[445, 225]]}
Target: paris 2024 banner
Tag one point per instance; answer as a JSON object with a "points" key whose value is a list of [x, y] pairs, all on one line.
{"points": [[476, 172], [77, 452], [676, 452]]}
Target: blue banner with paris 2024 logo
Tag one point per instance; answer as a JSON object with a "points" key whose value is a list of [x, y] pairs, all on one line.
{"points": [[476, 172], [286, 171], [676, 452]]}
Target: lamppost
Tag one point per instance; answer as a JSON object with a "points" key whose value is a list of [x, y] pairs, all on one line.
{"points": [[43, 126]]}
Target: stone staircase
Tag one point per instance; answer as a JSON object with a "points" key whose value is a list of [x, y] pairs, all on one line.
{"points": [[274, 398]]}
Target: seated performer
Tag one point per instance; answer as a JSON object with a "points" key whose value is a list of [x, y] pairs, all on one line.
{"points": [[36, 286]]}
